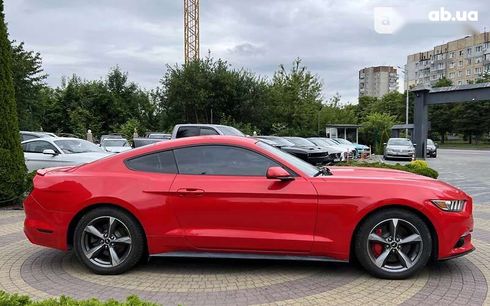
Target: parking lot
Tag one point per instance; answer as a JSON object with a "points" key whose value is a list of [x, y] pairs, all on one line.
{"points": [[42, 272]]}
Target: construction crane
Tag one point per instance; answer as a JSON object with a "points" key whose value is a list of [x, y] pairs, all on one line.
{"points": [[191, 30]]}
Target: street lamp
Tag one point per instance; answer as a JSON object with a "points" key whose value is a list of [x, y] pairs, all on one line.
{"points": [[405, 72]]}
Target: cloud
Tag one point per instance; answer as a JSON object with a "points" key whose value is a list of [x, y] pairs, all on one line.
{"points": [[334, 38]]}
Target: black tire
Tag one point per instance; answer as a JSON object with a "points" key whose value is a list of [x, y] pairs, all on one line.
{"points": [[393, 266], [128, 252]]}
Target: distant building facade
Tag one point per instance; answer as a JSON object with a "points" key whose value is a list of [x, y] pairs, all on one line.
{"points": [[462, 61], [377, 81]]}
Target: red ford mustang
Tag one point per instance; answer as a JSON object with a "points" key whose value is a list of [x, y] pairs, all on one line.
{"points": [[238, 197]]}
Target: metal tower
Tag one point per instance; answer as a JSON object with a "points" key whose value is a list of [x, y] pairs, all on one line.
{"points": [[191, 30]]}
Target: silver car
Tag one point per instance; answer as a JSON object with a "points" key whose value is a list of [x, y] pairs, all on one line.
{"points": [[115, 145], [399, 148], [59, 151]]}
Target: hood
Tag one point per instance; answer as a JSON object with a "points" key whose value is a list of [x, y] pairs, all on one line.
{"points": [[377, 183], [90, 156], [392, 147], [305, 150], [116, 149], [376, 173]]}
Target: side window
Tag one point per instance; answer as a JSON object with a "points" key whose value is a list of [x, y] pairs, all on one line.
{"points": [[208, 131], [27, 137], [161, 162], [187, 131], [38, 146], [222, 160]]}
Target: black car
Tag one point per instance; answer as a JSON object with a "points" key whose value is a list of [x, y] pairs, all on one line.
{"points": [[309, 153], [431, 148]]}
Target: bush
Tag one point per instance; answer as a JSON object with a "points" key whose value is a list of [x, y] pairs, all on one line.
{"points": [[8, 299], [418, 167]]}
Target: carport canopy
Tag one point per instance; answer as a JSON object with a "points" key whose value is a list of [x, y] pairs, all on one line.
{"points": [[334, 130]]}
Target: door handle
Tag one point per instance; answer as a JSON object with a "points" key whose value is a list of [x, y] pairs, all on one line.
{"points": [[190, 191]]}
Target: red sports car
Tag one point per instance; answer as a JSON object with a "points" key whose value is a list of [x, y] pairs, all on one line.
{"points": [[240, 197]]}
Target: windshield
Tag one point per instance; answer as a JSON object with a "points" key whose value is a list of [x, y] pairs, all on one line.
{"points": [[228, 130], [115, 143], [279, 141], [341, 140], [399, 142], [430, 142], [69, 146], [305, 167], [301, 142]]}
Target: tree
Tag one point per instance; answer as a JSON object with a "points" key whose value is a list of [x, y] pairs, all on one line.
{"points": [[334, 112], [295, 100], [375, 130], [28, 78], [12, 167]]}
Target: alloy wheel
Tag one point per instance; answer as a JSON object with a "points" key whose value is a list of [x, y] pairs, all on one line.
{"points": [[106, 241], [394, 245]]}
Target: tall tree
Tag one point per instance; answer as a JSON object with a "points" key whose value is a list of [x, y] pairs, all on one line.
{"points": [[29, 81], [12, 167]]}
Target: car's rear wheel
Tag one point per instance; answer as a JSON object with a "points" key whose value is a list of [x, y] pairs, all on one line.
{"points": [[393, 244], [108, 241]]}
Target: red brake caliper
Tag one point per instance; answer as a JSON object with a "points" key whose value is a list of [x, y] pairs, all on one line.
{"points": [[377, 247]]}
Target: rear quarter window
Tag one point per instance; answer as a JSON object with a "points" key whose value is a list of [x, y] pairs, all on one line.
{"points": [[159, 162]]}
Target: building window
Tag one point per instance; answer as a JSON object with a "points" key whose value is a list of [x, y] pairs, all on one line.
{"points": [[468, 51], [478, 70], [460, 64], [478, 60], [461, 52], [460, 82], [468, 71], [451, 65], [468, 61], [478, 49], [460, 74], [451, 75], [451, 55]]}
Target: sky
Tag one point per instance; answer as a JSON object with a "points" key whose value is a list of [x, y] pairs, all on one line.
{"points": [[334, 39]]}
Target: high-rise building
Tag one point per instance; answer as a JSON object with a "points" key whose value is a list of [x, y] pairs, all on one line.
{"points": [[462, 61], [377, 81]]}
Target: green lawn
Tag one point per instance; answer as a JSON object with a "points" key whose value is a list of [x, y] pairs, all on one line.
{"points": [[482, 145]]}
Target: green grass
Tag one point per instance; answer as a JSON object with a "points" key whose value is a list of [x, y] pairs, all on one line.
{"points": [[8, 299], [460, 144]]}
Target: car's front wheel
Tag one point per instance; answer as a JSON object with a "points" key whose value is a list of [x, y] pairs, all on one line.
{"points": [[393, 244], [108, 241]]}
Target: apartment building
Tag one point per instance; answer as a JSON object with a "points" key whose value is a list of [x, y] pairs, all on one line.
{"points": [[462, 61], [377, 81]]}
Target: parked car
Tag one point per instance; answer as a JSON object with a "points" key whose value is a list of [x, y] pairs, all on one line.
{"points": [[431, 148], [189, 130], [349, 146], [150, 138], [309, 152], [115, 145], [112, 136], [59, 151], [153, 135], [24, 135], [239, 197], [340, 153], [399, 148], [358, 148]]}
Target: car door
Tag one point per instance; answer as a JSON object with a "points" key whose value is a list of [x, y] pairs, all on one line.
{"points": [[36, 159], [223, 201]]}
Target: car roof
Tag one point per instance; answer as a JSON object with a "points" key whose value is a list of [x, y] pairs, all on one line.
{"points": [[51, 139]]}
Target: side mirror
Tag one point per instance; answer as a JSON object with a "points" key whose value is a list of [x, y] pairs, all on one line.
{"points": [[278, 173], [436, 144], [414, 144], [49, 152]]}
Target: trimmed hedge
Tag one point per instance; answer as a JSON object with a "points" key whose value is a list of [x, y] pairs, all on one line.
{"points": [[419, 167], [8, 299]]}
